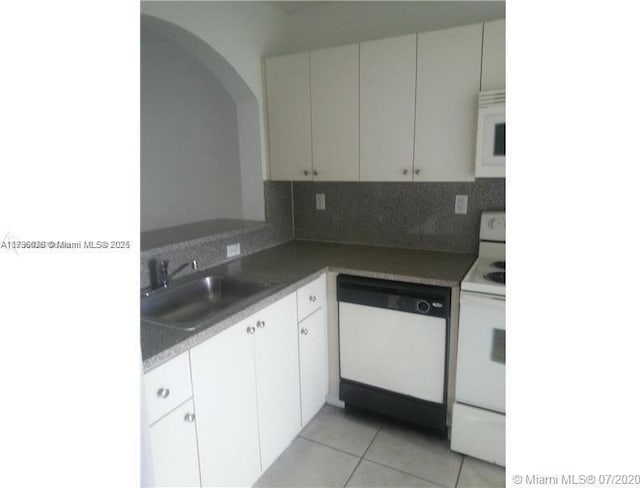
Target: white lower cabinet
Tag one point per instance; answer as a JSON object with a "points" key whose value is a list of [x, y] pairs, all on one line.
{"points": [[173, 448], [277, 378], [247, 397], [255, 385], [314, 363], [224, 388]]}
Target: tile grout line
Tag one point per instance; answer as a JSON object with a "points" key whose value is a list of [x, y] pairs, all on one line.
{"points": [[460, 471], [404, 472], [327, 445], [408, 474], [362, 457]]}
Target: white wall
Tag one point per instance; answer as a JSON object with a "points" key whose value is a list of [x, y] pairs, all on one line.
{"points": [[189, 140], [334, 23], [242, 33]]}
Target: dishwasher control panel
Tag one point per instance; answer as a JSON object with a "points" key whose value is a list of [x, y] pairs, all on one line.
{"points": [[394, 295], [422, 305]]}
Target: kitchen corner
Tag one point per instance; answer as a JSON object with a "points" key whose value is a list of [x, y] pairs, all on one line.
{"points": [[310, 214]]}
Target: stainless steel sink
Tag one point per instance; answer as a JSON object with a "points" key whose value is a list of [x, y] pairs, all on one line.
{"points": [[189, 304]]}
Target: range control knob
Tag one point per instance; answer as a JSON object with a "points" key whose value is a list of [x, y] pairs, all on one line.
{"points": [[422, 306]]}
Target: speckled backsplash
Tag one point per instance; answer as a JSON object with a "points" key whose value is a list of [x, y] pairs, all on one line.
{"points": [[211, 250], [408, 215]]}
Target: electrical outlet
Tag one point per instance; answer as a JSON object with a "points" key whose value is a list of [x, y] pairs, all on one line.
{"points": [[233, 250], [320, 201], [461, 204]]}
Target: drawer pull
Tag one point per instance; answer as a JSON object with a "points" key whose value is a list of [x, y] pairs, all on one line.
{"points": [[163, 392], [304, 331], [189, 417], [251, 330], [312, 298], [260, 324]]}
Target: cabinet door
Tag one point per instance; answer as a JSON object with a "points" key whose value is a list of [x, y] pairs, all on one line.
{"points": [[314, 364], [493, 56], [174, 448], [387, 108], [224, 393], [446, 103], [335, 113], [277, 377], [289, 113]]}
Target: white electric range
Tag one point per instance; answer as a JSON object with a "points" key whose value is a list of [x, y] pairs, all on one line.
{"points": [[478, 424]]}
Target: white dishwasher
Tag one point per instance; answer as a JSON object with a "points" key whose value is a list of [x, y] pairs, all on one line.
{"points": [[393, 348]]}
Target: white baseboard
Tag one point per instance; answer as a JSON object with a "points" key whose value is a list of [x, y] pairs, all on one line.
{"points": [[333, 399]]}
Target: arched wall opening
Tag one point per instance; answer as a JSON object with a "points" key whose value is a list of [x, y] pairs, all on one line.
{"points": [[246, 128]]}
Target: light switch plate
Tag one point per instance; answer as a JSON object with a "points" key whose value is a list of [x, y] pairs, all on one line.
{"points": [[320, 201], [233, 250], [461, 204]]}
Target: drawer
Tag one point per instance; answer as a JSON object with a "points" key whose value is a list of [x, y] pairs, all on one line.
{"points": [[478, 433], [312, 296], [167, 386]]}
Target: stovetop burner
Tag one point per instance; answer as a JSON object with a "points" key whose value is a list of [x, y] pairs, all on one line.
{"points": [[498, 264], [496, 277]]}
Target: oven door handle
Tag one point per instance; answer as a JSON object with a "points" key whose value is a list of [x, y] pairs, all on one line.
{"points": [[498, 346]]}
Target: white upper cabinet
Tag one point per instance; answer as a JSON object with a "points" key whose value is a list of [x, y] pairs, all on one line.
{"points": [[448, 82], [289, 113], [334, 113], [387, 108], [395, 109], [493, 56]]}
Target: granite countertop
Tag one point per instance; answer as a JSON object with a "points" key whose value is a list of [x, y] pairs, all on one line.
{"points": [[298, 262], [203, 231]]}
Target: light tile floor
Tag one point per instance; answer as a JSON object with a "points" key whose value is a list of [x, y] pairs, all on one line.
{"points": [[341, 448]]}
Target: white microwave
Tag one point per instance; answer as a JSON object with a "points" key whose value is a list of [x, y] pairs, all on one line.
{"points": [[490, 143]]}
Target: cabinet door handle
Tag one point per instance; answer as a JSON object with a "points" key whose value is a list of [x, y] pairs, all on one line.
{"points": [[260, 324], [315, 173], [304, 331], [312, 298], [405, 171], [306, 173], [251, 330], [163, 392], [189, 417], [417, 171]]}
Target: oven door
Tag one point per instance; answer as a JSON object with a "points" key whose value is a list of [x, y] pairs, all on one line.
{"points": [[490, 145], [480, 376]]}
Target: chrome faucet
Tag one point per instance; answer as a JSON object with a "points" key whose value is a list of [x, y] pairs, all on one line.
{"points": [[163, 271], [159, 275]]}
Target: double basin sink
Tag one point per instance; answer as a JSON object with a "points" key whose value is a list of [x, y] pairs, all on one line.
{"points": [[197, 300]]}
